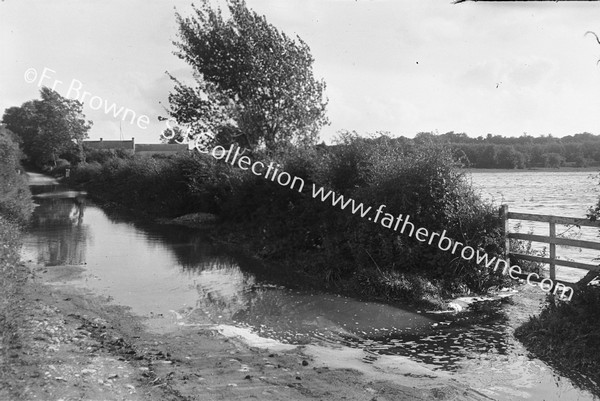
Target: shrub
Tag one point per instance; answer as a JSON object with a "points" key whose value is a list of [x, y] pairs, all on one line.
{"points": [[567, 334], [15, 208], [15, 197], [85, 172], [61, 167], [417, 179], [422, 181], [166, 186]]}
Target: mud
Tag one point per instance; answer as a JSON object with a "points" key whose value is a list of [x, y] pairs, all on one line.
{"points": [[75, 345]]}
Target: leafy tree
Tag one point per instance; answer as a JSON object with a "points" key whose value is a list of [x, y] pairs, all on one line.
{"points": [[49, 128], [508, 157], [255, 85], [425, 138], [581, 161], [489, 157], [174, 135], [553, 160], [15, 198]]}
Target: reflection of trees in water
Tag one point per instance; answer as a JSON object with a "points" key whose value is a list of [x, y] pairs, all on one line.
{"points": [[60, 235], [195, 251], [192, 248], [57, 212], [224, 289], [280, 310]]}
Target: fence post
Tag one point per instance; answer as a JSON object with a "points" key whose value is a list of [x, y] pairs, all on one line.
{"points": [[552, 250], [505, 231]]}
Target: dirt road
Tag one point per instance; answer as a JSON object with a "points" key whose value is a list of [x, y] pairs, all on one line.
{"points": [[75, 345]]}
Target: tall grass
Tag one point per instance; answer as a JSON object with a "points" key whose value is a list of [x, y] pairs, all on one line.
{"points": [[15, 198], [567, 335], [421, 181], [15, 209], [153, 185], [281, 224]]}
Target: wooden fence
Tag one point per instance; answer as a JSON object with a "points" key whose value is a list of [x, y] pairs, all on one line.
{"points": [[552, 240]]}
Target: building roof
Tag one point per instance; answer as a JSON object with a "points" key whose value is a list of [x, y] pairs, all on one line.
{"points": [[159, 147], [109, 144]]}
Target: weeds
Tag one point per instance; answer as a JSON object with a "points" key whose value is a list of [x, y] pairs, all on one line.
{"points": [[567, 334], [417, 180]]}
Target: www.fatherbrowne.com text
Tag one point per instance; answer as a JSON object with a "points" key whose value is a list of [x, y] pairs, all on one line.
{"points": [[399, 223]]}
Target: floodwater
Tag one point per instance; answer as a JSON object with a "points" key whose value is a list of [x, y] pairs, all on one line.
{"points": [[174, 275]]}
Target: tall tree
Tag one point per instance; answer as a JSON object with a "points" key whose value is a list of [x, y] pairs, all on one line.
{"points": [[254, 84], [48, 128]]}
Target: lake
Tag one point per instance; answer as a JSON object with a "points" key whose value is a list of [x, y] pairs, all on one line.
{"points": [[569, 193]]}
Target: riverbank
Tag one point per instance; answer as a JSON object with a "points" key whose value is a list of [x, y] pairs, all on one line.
{"points": [[246, 240], [12, 280], [567, 336], [323, 236], [77, 345], [152, 296], [15, 209]]}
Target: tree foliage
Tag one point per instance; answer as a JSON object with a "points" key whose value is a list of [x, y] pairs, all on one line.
{"points": [[15, 198], [496, 151], [254, 84], [48, 128]]}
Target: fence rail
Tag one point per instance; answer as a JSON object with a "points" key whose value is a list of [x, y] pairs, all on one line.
{"points": [[552, 240]]}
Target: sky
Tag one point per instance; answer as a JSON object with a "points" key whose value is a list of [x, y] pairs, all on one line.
{"points": [[395, 66]]}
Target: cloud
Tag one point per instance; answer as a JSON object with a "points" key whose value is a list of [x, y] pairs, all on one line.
{"points": [[529, 73], [403, 66]]}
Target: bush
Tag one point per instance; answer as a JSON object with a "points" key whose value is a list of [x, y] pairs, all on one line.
{"points": [[15, 208], [169, 186], [61, 167], [567, 334], [422, 182], [85, 172], [15, 197], [417, 179]]}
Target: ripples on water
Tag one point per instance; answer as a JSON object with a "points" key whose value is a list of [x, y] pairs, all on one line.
{"points": [[569, 194], [165, 271]]}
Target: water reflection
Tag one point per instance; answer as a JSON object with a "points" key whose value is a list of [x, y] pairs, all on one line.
{"points": [[296, 317], [162, 270], [61, 236], [223, 291]]}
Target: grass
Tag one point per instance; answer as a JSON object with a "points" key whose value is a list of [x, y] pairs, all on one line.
{"points": [[567, 335], [10, 281], [280, 225], [15, 209]]}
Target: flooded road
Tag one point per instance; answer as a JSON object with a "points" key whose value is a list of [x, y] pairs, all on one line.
{"points": [[175, 275]]}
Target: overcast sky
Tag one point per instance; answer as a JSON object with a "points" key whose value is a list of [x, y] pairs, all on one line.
{"points": [[402, 66]]}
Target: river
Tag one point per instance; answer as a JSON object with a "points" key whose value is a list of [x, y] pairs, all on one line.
{"points": [[174, 275]]}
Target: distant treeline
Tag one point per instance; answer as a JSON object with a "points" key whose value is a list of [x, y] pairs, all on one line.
{"points": [[496, 151]]}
